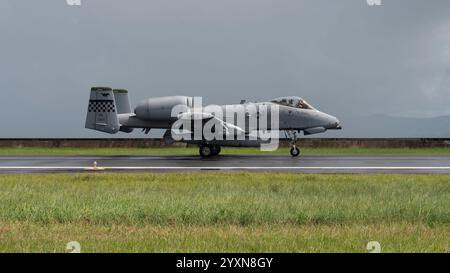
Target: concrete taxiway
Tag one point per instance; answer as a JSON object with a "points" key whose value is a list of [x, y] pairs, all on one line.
{"points": [[255, 163]]}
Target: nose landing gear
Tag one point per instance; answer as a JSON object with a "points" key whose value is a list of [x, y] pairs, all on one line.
{"points": [[293, 136], [206, 150], [295, 151]]}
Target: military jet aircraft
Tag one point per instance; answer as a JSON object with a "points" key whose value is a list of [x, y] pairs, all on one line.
{"points": [[110, 111]]}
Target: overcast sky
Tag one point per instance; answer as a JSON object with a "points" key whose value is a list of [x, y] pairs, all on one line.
{"points": [[344, 57]]}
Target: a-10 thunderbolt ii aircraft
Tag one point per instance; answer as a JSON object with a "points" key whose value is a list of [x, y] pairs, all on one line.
{"points": [[110, 111]]}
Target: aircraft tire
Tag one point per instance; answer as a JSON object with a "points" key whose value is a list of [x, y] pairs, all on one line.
{"points": [[295, 151], [215, 150], [205, 151]]}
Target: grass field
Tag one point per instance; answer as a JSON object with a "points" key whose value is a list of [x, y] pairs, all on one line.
{"points": [[224, 212], [225, 150]]}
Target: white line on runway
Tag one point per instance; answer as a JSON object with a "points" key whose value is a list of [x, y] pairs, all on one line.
{"points": [[49, 168]]}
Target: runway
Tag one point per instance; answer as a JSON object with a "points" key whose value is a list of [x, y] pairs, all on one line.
{"points": [[427, 164]]}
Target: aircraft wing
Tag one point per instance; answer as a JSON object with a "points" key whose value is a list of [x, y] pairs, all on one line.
{"points": [[204, 116]]}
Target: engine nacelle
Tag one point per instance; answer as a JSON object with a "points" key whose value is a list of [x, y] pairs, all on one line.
{"points": [[160, 109]]}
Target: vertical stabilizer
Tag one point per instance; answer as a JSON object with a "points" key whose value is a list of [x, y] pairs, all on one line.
{"points": [[122, 101], [102, 111]]}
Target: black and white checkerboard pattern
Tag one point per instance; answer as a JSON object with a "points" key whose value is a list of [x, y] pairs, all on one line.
{"points": [[101, 106]]}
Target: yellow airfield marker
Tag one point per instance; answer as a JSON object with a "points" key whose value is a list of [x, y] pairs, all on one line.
{"points": [[95, 167]]}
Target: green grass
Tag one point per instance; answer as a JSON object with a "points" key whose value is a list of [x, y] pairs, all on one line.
{"points": [[224, 212], [194, 151]]}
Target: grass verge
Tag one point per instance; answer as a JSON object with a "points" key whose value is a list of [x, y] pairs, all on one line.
{"points": [[224, 212]]}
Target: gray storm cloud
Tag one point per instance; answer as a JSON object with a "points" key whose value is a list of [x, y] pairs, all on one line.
{"points": [[344, 57]]}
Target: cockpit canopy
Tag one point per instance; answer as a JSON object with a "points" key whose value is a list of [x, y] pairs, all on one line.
{"points": [[295, 102]]}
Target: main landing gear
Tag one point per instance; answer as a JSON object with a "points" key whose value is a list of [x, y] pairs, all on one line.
{"points": [[207, 150], [293, 136]]}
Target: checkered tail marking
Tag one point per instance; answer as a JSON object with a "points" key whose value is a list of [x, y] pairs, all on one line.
{"points": [[101, 106]]}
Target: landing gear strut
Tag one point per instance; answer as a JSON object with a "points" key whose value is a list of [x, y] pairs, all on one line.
{"points": [[206, 150], [293, 136]]}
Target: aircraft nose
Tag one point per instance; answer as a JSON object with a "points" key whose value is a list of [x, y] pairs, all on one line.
{"points": [[335, 124], [331, 122]]}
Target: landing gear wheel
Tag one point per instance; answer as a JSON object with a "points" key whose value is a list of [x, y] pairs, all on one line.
{"points": [[205, 151], [295, 151], [215, 150]]}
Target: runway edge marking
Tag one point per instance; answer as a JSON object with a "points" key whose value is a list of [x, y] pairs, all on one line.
{"points": [[49, 168]]}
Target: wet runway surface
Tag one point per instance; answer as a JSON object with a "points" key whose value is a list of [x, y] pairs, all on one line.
{"points": [[254, 163]]}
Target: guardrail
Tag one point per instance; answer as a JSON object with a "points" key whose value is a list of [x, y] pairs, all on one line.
{"points": [[159, 143]]}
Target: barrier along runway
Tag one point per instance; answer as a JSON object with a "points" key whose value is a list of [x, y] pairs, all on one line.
{"points": [[256, 163]]}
